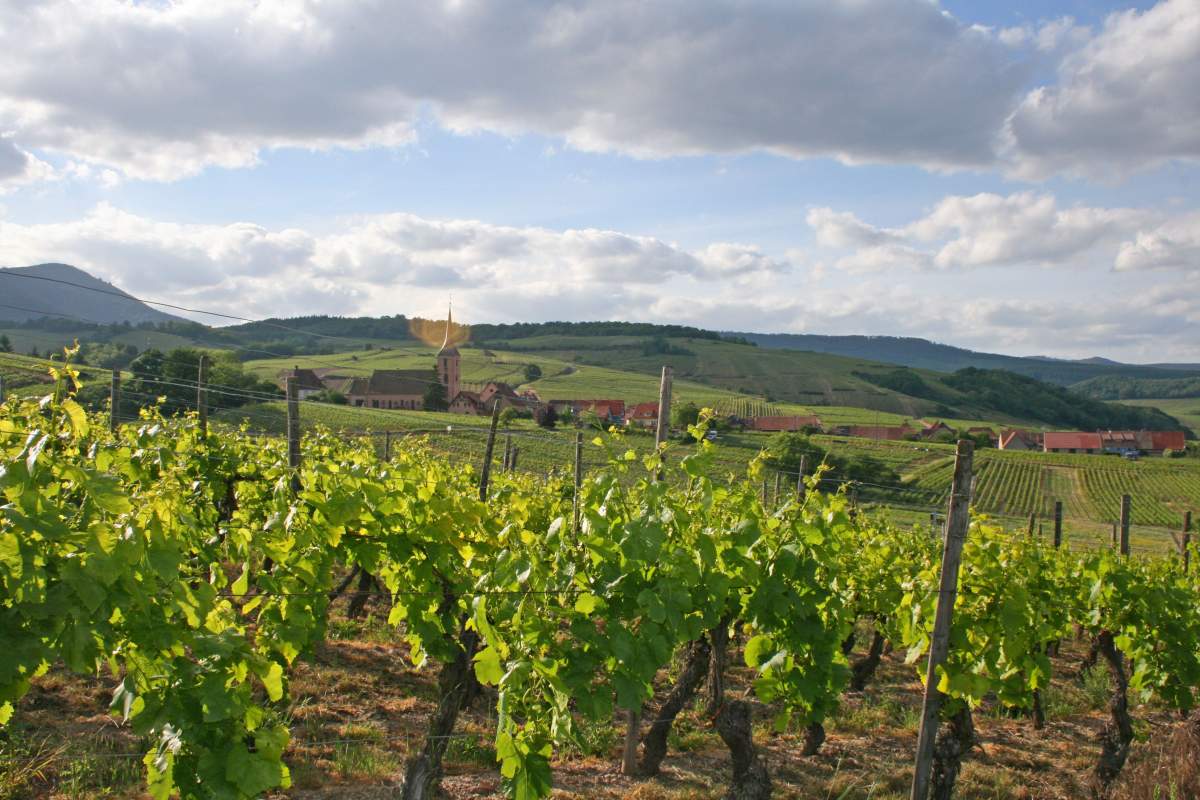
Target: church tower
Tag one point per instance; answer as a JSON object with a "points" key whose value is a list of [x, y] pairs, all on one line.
{"points": [[447, 363]]}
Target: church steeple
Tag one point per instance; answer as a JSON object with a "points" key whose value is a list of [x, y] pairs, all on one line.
{"points": [[447, 361]]}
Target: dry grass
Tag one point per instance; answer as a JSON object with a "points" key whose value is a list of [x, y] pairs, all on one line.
{"points": [[359, 708]]}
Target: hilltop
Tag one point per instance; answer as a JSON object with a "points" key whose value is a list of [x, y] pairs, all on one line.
{"points": [[29, 292]]}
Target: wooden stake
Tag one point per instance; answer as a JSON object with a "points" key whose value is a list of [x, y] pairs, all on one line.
{"points": [[1057, 524], [387, 445], [958, 520], [664, 408], [512, 457], [800, 488], [114, 393], [578, 476], [202, 394], [1126, 503], [504, 466], [486, 474], [1032, 518], [293, 429], [778, 488]]}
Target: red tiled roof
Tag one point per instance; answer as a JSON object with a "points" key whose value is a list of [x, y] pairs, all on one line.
{"points": [[1071, 440], [1167, 440], [644, 411]]}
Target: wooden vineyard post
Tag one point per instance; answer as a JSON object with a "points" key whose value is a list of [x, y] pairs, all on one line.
{"points": [[578, 477], [202, 394], [778, 488], [1032, 519], [1, 388], [958, 520], [800, 481], [504, 461], [1185, 541], [487, 453], [1126, 503], [633, 729], [114, 393], [664, 408], [387, 445], [512, 458], [1057, 524], [293, 429]]}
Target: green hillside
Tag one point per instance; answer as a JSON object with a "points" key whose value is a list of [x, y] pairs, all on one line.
{"points": [[1185, 410]]}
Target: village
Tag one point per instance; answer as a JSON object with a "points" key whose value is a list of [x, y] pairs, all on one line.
{"points": [[441, 389]]}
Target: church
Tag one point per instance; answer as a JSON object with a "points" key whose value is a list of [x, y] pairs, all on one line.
{"points": [[406, 388]]}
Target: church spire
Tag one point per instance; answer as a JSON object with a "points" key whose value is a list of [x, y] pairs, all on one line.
{"points": [[449, 322]]}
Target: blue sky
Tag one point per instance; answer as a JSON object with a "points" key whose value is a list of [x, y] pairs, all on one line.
{"points": [[1018, 177]]}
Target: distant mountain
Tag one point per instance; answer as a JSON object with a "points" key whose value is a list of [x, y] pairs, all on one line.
{"points": [[27, 292], [924, 354]]}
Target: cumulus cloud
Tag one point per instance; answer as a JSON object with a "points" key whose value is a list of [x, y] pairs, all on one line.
{"points": [[18, 167], [1173, 245], [245, 266], [982, 230], [1124, 101], [160, 91]]}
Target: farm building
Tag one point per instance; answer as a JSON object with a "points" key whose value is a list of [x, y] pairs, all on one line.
{"points": [[1072, 442], [643, 415], [785, 423], [307, 382], [1161, 441], [1120, 441], [1018, 439]]}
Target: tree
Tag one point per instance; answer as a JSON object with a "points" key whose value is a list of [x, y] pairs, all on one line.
{"points": [[435, 395], [5, 344], [685, 415], [532, 372], [546, 416], [507, 416]]}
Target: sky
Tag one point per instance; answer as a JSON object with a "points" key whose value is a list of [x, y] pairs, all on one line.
{"points": [[1018, 177]]}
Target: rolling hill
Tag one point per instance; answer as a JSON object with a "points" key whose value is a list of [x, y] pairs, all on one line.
{"points": [[924, 354], [28, 292]]}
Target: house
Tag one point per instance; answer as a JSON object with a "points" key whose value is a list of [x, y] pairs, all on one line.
{"points": [[466, 402], [929, 430], [1017, 439], [610, 410], [390, 388], [1161, 441], [1072, 442], [785, 423], [643, 415], [500, 392], [306, 381]]}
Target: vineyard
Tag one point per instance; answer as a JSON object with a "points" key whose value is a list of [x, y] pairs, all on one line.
{"points": [[197, 575]]}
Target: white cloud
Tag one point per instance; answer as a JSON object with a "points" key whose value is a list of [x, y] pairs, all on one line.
{"points": [[983, 230], [367, 263], [17, 167], [1124, 101], [161, 91], [1173, 245]]}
